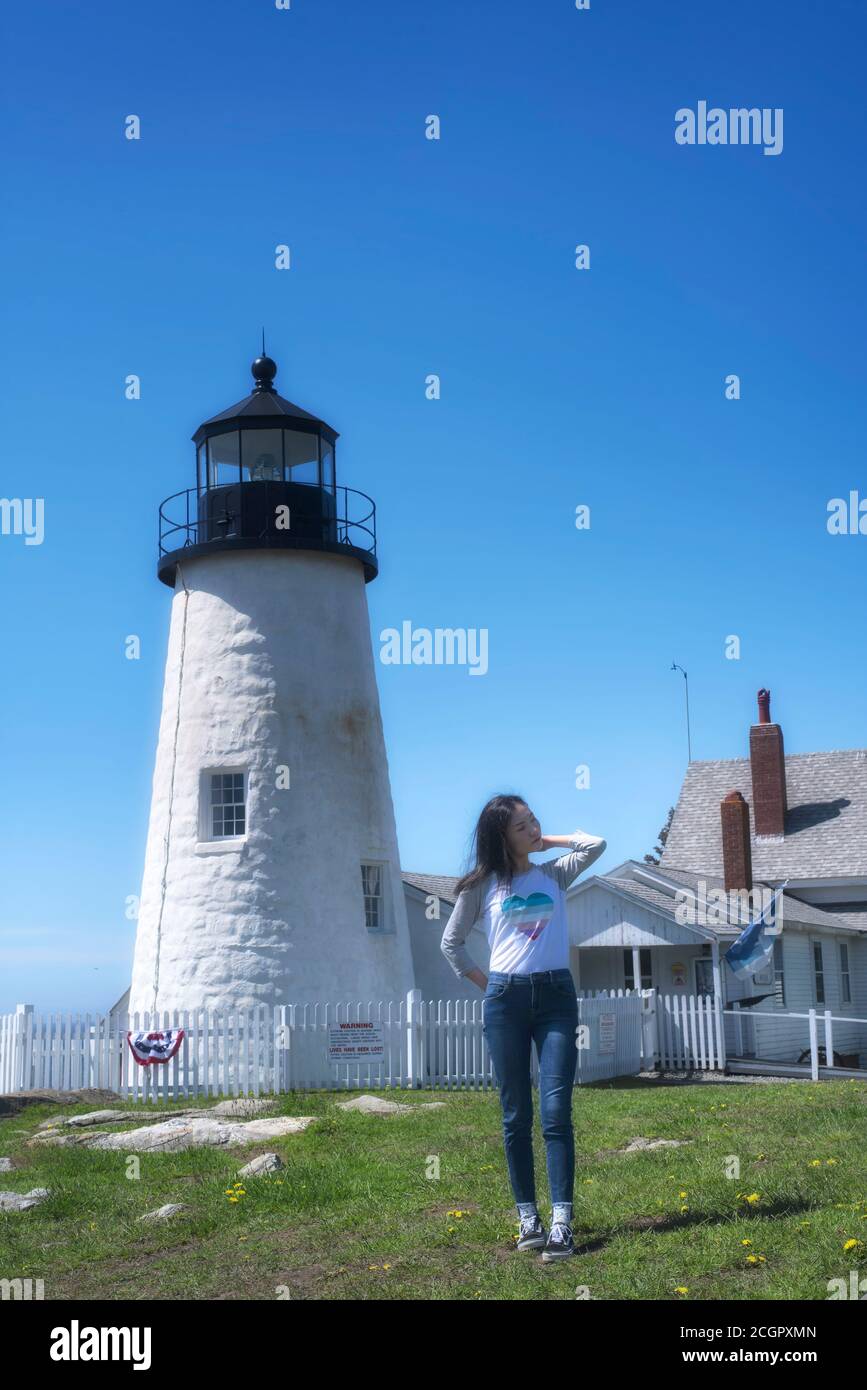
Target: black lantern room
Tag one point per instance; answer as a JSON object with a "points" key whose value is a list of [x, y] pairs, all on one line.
{"points": [[265, 478]]}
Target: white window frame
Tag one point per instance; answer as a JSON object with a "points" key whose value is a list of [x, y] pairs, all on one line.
{"points": [[845, 972], [703, 965], [627, 969], [814, 942], [208, 843], [387, 923]]}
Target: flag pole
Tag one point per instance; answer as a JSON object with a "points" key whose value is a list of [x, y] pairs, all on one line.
{"points": [[674, 667]]}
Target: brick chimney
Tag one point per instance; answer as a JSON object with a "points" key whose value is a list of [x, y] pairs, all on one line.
{"points": [[768, 765], [737, 858]]}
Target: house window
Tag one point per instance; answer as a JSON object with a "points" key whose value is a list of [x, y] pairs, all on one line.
{"points": [[227, 809], [779, 979], [845, 984], [372, 884], [818, 973], [644, 966], [704, 977]]}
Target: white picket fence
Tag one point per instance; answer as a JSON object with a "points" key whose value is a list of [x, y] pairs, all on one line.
{"points": [[425, 1043]]}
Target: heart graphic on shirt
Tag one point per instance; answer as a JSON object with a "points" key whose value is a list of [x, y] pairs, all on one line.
{"points": [[529, 915]]}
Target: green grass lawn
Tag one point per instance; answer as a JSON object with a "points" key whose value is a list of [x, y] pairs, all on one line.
{"points": [[419, 1206]]}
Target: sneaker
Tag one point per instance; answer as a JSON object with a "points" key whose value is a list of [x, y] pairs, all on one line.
{"points": [[531, 1235], [560, 1243]]}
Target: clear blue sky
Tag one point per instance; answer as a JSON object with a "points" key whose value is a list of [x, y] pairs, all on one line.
{"points": [[559, 387]]}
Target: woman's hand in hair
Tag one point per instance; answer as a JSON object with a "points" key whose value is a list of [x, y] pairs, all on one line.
{"points": [[554, 842]]}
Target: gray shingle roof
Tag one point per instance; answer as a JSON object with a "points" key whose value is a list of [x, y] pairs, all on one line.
{"points": [[826, 822], [793, 909], [440, 884], [653, 897]]}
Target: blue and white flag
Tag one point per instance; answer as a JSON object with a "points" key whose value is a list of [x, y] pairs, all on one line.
{"points": [[754, 947]]}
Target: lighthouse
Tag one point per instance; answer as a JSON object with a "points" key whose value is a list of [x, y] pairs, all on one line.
{"points": [[271, 873]]}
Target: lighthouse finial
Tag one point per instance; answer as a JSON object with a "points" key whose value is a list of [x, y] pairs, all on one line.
{"points": [[264, 370]]}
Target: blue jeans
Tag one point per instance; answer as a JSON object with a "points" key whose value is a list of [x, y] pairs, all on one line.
{"points": [[518, 1010]]}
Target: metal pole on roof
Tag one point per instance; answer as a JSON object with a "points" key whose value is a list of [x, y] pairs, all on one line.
{"points": [[675, 667]]}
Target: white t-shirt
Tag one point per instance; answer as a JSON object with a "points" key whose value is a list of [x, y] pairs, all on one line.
{"points": [[525, 923], [526, 927]]}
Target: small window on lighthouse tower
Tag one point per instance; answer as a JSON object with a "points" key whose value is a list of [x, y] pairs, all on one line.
{"points": [[227, 809], [372, 883]]}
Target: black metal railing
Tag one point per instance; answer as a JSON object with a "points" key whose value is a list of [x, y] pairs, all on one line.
{"points": [[253, 511]]}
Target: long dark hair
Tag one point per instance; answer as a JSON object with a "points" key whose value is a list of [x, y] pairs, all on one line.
{"points": [[490, 850]]}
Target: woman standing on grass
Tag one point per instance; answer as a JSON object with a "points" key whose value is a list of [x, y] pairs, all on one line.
{"points": [[529, 997]]}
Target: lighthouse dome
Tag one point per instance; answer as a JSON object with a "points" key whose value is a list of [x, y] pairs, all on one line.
{"points": [[266, 477]]}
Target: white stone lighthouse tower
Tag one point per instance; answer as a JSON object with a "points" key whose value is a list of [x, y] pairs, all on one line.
{"points": [[271, 873]]}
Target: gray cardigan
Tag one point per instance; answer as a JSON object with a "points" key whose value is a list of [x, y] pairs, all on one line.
{"points": [[468, 908]]}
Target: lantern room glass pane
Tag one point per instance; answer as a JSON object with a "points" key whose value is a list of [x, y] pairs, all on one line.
{"points": [[302, 456], [262, 455], [327, 464], [224, 452]]}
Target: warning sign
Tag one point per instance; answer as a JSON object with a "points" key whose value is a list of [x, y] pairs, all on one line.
{"points": [[355, 1042], [607, 1032]]}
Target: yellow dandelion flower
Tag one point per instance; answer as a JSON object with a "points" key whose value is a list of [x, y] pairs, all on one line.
{"points": [[681, 1288], [815, 1163], [853, 1244], [751, 1259], [746, 1242]]}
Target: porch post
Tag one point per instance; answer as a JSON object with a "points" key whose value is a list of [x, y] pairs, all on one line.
{"points": [[636, 967]]}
